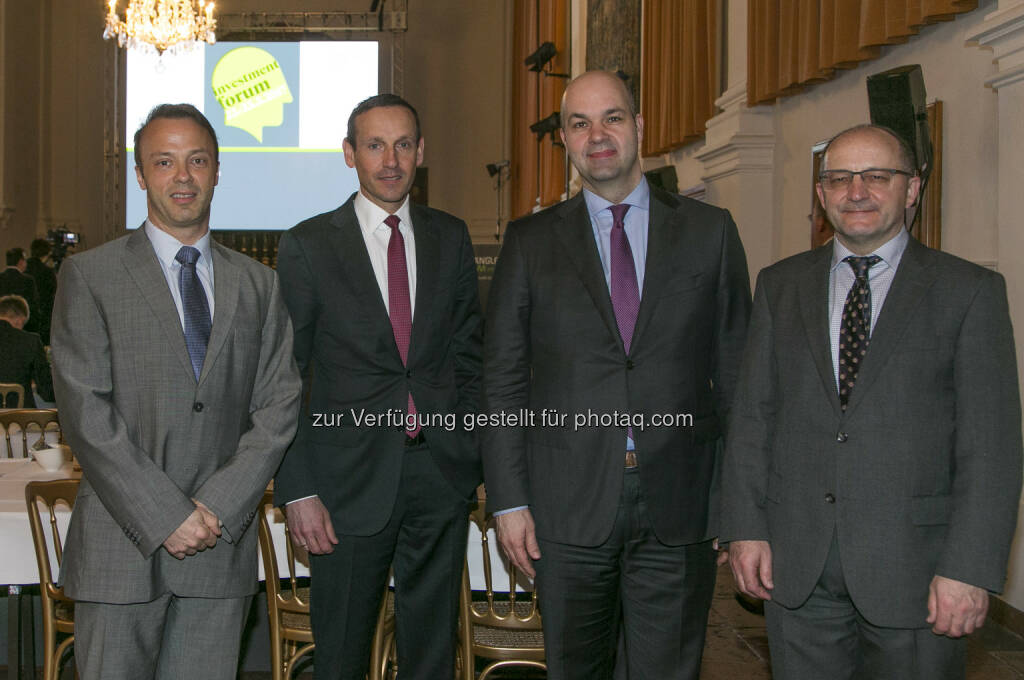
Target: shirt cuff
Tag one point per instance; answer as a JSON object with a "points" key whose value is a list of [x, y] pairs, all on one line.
{"points": [[508, 510]]}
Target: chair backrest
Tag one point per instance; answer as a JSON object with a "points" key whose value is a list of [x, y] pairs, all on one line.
{"points": [[12, 395], [503, 627], [31, 425], [510, 609], [44, 538], [280, 598]]}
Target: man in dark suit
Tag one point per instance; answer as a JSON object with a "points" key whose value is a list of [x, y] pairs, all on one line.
{"points": [[14, 281], [46, 284], [383, 298], [178, 394], [616, 318], [22, 358], [873, 464]]}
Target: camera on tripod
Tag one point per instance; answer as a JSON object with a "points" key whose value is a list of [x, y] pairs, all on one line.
{"points": [[61, 240]]}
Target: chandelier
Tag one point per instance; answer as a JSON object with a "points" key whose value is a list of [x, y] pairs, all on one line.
{"points": [[161, 25]]}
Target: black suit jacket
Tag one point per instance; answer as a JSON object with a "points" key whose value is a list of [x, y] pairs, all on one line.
{"points": [[23, 360], [345, 348], [13, 282], [553, 343], [46, 287]]}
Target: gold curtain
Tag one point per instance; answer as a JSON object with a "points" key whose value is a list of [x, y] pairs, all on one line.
{"points": [[794, 43], [679, 81], [537, 169]]}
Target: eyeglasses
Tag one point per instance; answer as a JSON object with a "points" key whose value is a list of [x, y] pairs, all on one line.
{"points": [[873, 178]]}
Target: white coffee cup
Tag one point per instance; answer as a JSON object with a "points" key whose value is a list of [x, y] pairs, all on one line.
{"points": [[51, 459]]}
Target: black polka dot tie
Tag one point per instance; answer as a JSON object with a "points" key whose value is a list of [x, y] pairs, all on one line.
{"points": [[855, 331]]}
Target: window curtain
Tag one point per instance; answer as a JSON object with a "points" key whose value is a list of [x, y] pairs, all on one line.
{"points": [[680, 71], [792, 44], [537, 168]]}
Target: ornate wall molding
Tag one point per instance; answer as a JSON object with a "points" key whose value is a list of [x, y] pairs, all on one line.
{"points": [[1003, 33], [739, 140]]}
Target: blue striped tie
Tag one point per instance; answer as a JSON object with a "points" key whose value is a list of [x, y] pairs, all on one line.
{"points": [[196, 307]]}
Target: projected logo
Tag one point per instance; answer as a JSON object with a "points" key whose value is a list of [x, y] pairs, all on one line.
{"points": [[250, 86]]}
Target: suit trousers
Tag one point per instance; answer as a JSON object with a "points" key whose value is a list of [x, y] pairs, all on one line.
{"points": [[661, 594], [425, 542], [169, 638], [827, 637]]}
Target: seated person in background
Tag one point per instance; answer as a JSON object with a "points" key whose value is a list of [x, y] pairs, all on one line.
{"points": [[14, 281], [22, 358]]}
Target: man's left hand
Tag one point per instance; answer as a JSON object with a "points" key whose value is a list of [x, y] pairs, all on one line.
{"points": [[955, 608]]}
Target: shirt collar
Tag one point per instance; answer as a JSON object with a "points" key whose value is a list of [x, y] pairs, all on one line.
{"points": [[166, 246], [639, 197], [371, 216], [891, 251]]}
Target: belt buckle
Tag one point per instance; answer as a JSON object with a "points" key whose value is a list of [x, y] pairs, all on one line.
{"points": [[630, 460]]}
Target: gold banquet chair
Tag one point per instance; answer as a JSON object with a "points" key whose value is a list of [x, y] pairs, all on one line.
{"points": [[291, 633], [41, 420], [505, 626], [12, 395], [58, 608]]}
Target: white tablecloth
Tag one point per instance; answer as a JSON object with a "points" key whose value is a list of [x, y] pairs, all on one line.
{"points": [[17, 555]]}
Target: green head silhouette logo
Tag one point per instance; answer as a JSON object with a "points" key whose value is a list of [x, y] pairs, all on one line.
{"points": [[252, 90]]}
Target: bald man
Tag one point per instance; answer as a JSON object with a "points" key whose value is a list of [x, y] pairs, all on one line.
{"points": [[618, 317], [873, 464]]}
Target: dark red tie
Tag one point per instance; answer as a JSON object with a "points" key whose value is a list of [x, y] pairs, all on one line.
{"points": [[399, 303]]}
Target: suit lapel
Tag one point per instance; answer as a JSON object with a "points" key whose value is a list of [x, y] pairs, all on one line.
{"points": [[141, 263], [667, 233], [577, 237], [428, 254], [813, 294], [913, 279], [226, 284], [354, 265]]}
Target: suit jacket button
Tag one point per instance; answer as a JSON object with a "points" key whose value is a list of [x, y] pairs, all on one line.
{"points": [[408, 374], [197, 407], [842, 437], [629, 364], [829, 498]]}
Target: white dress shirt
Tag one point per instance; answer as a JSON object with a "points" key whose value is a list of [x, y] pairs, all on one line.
{"points": [[166, 247], [376, 235]]}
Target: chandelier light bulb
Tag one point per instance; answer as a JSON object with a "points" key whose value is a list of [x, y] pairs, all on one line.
{"points": [[161, 25]]}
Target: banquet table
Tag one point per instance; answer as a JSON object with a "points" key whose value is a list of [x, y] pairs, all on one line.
{"points": [[18, 562], [18, 565]]}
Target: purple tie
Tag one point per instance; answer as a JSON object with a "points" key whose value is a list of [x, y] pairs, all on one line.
{"points": [[625, 291], [399, 305]]}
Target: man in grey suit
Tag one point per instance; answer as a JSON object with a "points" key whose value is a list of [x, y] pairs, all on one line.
{"points": [[178, 394], [617, 318], [873, 464]]}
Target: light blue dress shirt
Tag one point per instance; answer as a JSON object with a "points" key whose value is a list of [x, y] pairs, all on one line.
{"points": [[166, 247]]}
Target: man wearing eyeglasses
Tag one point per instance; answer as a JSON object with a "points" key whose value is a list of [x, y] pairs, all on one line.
{"points": [[873, 463]]}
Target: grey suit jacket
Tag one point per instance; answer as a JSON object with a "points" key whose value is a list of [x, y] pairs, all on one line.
{"points": [[552, 342], [919, 476], [345, 345], [149, 437]]}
